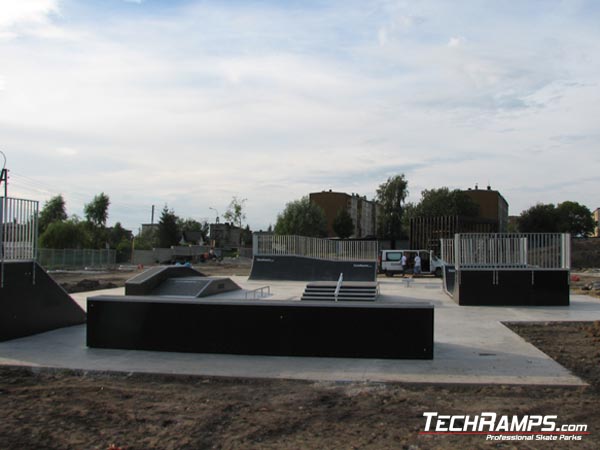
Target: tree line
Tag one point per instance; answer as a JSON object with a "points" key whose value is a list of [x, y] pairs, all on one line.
{"points": [[304, 218], [58, 230]]}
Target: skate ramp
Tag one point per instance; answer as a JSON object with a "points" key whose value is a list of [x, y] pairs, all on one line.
{"points": [[32, 302]]}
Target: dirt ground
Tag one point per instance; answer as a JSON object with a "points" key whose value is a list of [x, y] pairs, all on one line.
{"points": [[81, 281], [59, 409]]}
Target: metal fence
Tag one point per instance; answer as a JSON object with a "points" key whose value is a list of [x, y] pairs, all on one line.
{"points": [[270, 244], [549, 251], [18, 232], [68, 258], [18, 228]]}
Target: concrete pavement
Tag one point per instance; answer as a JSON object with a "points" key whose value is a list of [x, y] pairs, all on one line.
{"points": [[471, 345]]}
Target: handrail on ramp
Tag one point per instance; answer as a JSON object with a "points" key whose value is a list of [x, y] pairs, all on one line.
{"points": [[338, 287]]}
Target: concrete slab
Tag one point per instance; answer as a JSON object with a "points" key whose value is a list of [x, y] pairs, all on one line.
{"points": [[471, 345]]}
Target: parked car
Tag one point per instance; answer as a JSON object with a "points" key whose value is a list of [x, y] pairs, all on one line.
{"points": [[390, 262]]}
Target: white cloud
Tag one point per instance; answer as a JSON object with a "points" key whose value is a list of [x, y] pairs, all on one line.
{"points": [[66, 151], [28, 17], [456, 41], [212, 100]]}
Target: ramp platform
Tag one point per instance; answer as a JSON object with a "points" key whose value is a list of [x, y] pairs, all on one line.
{"points": [[507, 287], [261, 327]]}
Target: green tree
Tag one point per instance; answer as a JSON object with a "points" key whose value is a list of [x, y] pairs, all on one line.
{"points": [[343, 226], [444, 202], [390, 196], [120, 239], [146, 239], [116, 234], [168, 231], [53, 211], [246, 236], [541, 218], [235, 212], [96, 212], [70, 233], [303, 218], [575, 219], [190, 224], [96, 215]]}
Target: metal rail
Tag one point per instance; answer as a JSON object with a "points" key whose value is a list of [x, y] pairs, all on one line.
{"points": [[338, 287], [510, 251], [329, 249], [18, 232], [255, 291]]}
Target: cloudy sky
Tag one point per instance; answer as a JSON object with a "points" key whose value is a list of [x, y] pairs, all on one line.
{"points": [[189, 103]]}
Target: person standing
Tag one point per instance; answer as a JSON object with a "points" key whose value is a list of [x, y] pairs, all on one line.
{"points": [[403, 264], [417, 269]]}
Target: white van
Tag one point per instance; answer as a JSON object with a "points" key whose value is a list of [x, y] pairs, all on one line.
{"points": [[390, 262]]}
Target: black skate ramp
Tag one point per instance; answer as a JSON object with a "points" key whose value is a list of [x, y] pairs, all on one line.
{"points": [[145, 282], [27, 308], [194, 287], [531, 287], [262, 327], [300, 268]]}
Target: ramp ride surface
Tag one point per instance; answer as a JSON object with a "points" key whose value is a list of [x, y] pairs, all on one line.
{"points": [[32, 303]]}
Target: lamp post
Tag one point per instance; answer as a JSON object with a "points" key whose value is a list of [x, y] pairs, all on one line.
{"points": [[216, 212]]}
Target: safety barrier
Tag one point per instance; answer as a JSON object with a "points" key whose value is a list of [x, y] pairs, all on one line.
{"points": [[327, 249]]}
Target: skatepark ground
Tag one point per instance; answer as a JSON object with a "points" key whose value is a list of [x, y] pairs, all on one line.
{"points": [[57, 393]]}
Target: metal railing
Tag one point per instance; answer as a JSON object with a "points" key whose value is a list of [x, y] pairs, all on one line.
{"points": [[329, 249], [550, 251], [258, 291], [18, 231], [338, 287]]}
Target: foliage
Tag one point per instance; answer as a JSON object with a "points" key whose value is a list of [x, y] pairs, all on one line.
{"points": [[343, 226], [53, 211], [189, 224], [168, 231], [146, 240], [444, 202], [390, 196], [575, 219], [235, 212], [117, 234], [541, 218], [96, 212], [246, 236], [303, 218], [567, 217], [69, 233]]}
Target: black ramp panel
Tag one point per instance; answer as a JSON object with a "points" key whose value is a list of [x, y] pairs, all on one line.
{"points": [[186, 287], [513, 288], [145, 282], [298, 268], [359, 330], [27, 308], [449, 279]]}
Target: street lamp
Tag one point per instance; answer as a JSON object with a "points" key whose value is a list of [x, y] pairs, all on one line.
{"points": [[216, 212]]}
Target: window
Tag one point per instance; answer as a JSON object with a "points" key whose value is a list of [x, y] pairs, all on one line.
{"points": [[393, 256]]}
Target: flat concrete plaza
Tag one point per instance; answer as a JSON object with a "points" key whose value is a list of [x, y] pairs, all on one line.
{"points": [[471, 345]]}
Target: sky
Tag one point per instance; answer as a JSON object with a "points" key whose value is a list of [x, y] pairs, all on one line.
{"points": [[190, 103]]}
